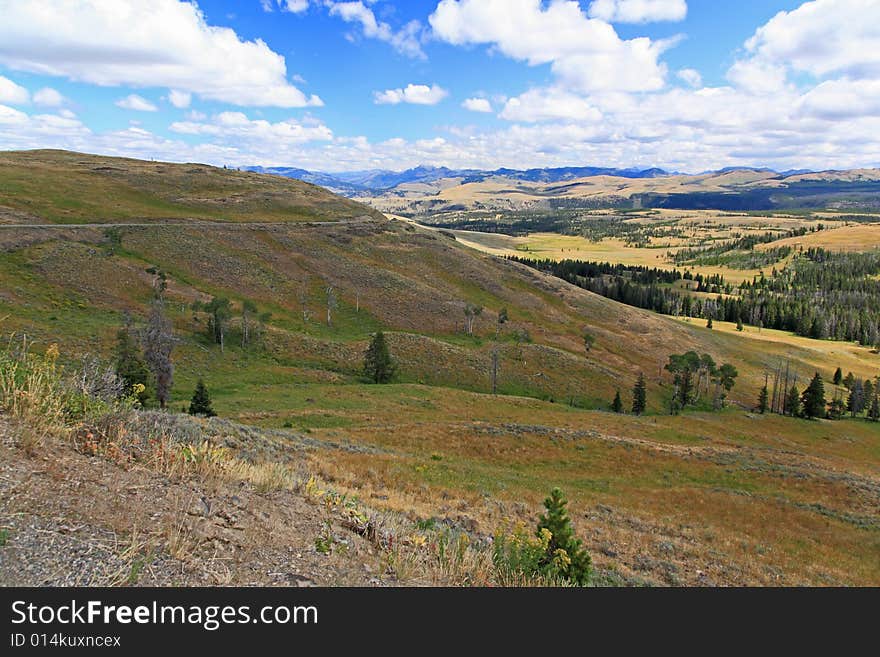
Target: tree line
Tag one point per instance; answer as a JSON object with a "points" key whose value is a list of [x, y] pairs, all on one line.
{"points": [[821, 294]]}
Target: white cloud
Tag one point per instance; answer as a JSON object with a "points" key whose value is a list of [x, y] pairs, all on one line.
{"points": [[12, 93], [405, 41], [237, 130], [820, 39], [136, 103], [842, 99], [180, 99], [585, 53], [295, 6], [163, 43], [416, 94], [292, 6], [48, 97], [549, 104], [477, 105], [757, 76], [638, 11], [691, 77], [823, 37]]}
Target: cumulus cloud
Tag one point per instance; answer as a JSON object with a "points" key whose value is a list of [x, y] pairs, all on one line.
{"points": [[416, 94], [163, 43], [549, 104], [585, 53], [13, 93], [638, 11], [405, 40], [136, 103], [477, 105], [180, 99], [823, 37]]}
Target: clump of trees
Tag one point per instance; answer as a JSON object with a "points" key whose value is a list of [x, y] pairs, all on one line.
{"points": [[220, 313], [694, 375], [860, 397]]}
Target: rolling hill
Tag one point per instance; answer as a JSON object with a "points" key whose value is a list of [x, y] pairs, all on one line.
{"points": [[707, 497]]}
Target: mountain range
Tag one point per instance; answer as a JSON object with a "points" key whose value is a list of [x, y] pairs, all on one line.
{"points": [[378, 180]]}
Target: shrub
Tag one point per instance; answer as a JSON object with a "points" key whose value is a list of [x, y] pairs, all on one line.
{"points": [[201, 401], [31, 391], [551, 553]]}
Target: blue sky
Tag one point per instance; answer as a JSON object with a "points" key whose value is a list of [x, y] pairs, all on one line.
{"points": [[687, 85]]}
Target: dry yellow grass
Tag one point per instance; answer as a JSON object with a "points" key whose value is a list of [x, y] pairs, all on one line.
{"points": [[861, 237]]}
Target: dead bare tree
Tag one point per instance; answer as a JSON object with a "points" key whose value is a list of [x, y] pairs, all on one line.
{"points": [[158, 342], [471, 312], [331, 303], [302, 297]]}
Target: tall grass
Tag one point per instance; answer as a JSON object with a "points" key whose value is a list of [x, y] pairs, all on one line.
{"points": [[31, 392]]}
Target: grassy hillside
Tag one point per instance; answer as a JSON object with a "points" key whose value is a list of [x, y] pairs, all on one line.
{"points": [[727, 497], [75, 188]]}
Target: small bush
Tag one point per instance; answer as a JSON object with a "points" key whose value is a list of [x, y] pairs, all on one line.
{"points": [[552, 552]]}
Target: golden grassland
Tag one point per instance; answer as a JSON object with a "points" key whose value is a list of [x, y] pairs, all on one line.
{"points": [[699, 226], [860, 237]]}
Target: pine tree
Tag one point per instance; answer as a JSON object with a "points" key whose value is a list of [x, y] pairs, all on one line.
{"points": [[617, 404], [848, 380], [874, 411], [739, 324], [575, 565], [639, 395], [763, 399], [813, 399], [201, 401], [792, 404], [378, 364], [130, 365], [855, 403], [838, 377], [709, 323]]}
